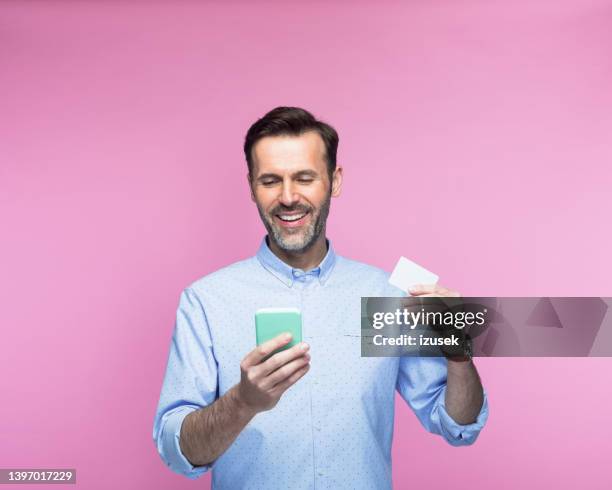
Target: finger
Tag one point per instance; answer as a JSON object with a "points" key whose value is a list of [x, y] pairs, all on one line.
{"points": [[291, 380], [281, 358], [421, 289], [284, 372], [261, 351], [411, 302], [442, 292]]}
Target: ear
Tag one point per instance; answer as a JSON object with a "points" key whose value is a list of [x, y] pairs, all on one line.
{"points": [[336, 182], [248, 176]]}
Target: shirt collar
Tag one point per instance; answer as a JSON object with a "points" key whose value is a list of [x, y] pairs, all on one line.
{"points": [[286, 273]]}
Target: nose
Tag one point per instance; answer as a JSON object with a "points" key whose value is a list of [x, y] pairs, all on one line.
{"points": [[288, 196]]}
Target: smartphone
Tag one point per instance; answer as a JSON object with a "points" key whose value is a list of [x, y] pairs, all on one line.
{"points": [[271, 322]]}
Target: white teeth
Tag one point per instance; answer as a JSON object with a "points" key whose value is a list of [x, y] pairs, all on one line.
{"points": [[291, 218]]}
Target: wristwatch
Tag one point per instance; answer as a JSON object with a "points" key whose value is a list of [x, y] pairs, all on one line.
{"points": [[467, 352]]}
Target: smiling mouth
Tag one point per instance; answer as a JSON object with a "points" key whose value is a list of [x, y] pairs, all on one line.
{"points": [[291, 220]]}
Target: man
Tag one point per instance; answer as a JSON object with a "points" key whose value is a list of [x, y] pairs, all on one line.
{"points": [[317, 415]]}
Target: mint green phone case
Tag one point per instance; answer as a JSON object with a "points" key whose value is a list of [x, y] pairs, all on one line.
{"points": [[271, 322]]}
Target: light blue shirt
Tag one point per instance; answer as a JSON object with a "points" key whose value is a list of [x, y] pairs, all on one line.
{"points": [[334, 427]]}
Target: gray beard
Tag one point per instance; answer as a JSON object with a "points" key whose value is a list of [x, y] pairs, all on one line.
{"points": [[310, 236]]}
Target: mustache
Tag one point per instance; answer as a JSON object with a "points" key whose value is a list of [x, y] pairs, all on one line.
{"points": [[284, 209]]}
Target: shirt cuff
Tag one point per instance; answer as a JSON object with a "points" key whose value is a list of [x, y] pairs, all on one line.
{"points": [[170, 449], [458, 434]]}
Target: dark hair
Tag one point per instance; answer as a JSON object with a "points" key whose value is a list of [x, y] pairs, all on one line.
{"points": [[291, 121]]}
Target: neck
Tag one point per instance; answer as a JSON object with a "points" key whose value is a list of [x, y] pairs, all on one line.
{"points": [[306, 260]]}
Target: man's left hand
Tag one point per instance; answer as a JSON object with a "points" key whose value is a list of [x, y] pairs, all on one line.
{"points": [[435, 290]]}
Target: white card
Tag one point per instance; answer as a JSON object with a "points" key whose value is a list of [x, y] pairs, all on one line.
{"points": [[407, 274]]}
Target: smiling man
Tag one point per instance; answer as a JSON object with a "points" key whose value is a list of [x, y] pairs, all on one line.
{"points": [[261, 421], [292, 187]]}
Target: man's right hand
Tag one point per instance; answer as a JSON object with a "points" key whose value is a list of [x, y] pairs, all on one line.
{"points": [[263, 382]]}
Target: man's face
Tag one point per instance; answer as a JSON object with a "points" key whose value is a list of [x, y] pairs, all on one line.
{"points": [[291, 188]]}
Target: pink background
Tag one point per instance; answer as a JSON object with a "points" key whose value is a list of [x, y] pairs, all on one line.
{"points": [[475, 138]]}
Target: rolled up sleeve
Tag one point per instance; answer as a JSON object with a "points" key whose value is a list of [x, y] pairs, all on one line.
{"points": [[458, 434], [190, 383], [422, 384], [168, 444]]}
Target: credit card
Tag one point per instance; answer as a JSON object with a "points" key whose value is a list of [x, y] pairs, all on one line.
{"points": [[408, 273]]}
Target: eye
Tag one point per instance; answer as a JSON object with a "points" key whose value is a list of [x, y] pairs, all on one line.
{"points": [[305, 180], [268, 182]]}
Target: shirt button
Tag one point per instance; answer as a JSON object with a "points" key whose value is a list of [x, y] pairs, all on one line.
{"points": [[320, 473]]}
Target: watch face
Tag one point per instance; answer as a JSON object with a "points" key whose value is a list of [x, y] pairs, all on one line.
{"points": [[468, 347], [466, 354]]}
